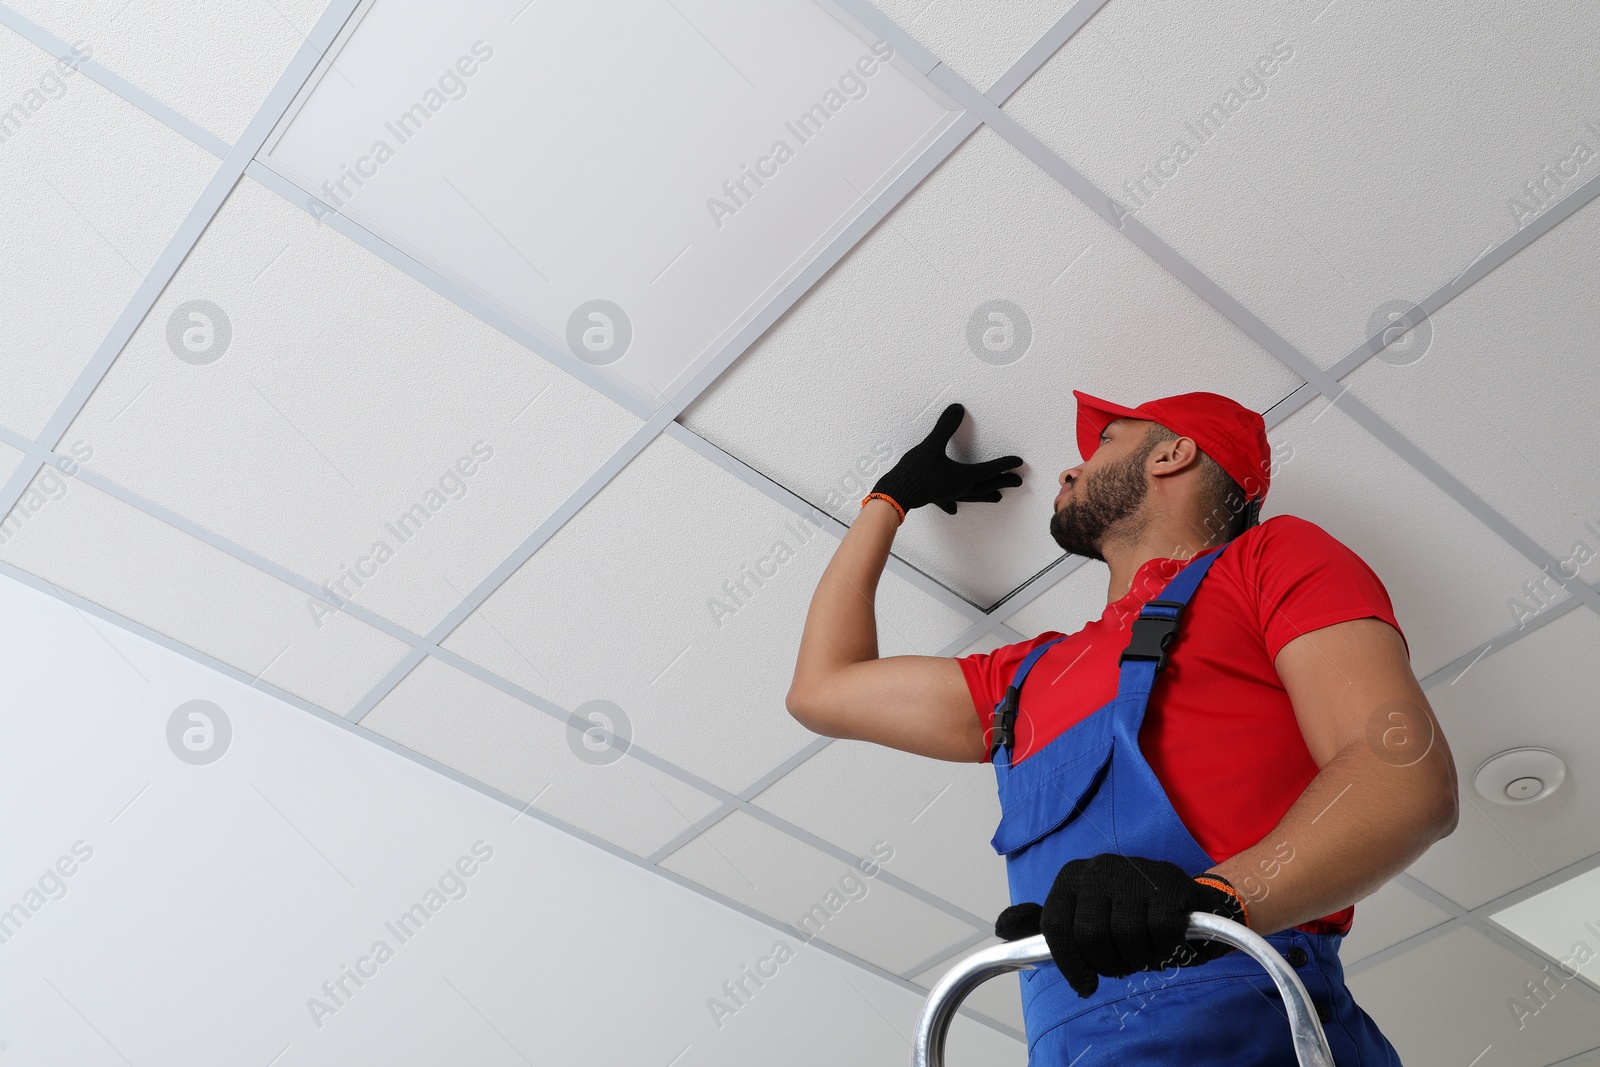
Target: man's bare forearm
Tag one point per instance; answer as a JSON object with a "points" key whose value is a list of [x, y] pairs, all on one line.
{"points": [[841, 627], [1360, 822]]}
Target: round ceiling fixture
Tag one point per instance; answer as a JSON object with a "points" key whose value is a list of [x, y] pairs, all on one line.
{"points": [[1520, 775]]}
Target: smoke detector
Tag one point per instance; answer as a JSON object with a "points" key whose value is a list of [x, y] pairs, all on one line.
{"points": [[1520, 775]]}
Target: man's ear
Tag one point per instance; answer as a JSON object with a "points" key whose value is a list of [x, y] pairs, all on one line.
{"points": [[1175, 456]]}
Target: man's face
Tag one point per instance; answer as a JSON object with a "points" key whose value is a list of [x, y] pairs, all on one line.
{"points": [[1103, 494]]}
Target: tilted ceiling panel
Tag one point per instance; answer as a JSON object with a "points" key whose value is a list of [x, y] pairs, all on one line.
{"points": [[305, 399], [679, 595], [1318, 160], [1447, 575], [213, 63], [847, 906], [990, 286], [525, 752], [719, 142], [91, 190], [977, 40], [88, 543], [1445, 1002], [1540, 691], [999, 998], [1500, 387], [937, 815]]}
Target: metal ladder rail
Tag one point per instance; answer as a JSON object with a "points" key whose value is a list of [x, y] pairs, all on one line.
{"points": [[1310, 1043]]}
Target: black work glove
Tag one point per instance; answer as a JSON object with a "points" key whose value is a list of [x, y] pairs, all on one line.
{"points": [[925, 475], [1114, 915]]}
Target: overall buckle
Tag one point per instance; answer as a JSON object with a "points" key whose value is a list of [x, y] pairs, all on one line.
{"points": [[1152, 634], [1005, 720]]}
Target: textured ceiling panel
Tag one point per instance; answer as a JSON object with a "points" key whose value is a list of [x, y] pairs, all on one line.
{"points": [[977, 40], [1494, 385], [1446, 574], [214, 63], [1465, 978], [859, 371], [937, 815], [1067, 606], [354, 426], [91, 189], [653, 598], [1388, 916], [987, 643], [816, 894], [1540, 692], [518, 749], [10, 458], [105, 551], [1317, 160], [719, 140], [999, 998]]}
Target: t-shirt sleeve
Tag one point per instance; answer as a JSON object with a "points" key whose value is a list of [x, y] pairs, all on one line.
{"points": [[988, 674], [1307, 579]]}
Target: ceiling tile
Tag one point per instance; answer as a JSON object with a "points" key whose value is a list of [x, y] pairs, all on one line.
{"points": [[1496, 383], [978, 41], [91, 544], [212, 63], [815, 894], [1449, 1000], [91, 191], [1561, 921], [937, 815], [10, 460], [353, 426], [1000, 997], [987, 643], [1069, 605], [685, 215], [1313, 214], [1536, 692], [861, 368], [1447, 575], [638, 601], [1555, 43], [1387, 917], [521, 750]]}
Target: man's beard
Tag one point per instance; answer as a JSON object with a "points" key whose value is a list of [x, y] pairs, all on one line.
{"points": [[1106, 503]]}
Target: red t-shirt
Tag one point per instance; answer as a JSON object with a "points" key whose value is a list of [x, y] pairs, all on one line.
{"points": [[1220, 732]]}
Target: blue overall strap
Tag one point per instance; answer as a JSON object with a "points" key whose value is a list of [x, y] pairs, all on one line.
{"points": [[1005, 712], [1157, 625]]}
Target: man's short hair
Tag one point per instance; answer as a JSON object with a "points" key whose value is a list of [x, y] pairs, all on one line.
{"points": [[1221, 498]]}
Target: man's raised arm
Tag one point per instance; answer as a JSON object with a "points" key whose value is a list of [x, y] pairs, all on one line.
{"points": [[841, 688]]}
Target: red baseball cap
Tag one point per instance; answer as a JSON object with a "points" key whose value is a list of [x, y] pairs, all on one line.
{"points": [[1225, 430]]}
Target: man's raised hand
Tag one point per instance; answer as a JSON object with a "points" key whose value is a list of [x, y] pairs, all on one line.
{"points": [[925, 475]]}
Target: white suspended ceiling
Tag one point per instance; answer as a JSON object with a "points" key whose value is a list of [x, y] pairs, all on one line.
{"points": [[576, 519]]}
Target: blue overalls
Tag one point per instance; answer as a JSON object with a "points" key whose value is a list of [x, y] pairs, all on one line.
{"points": [[1090, 790]]}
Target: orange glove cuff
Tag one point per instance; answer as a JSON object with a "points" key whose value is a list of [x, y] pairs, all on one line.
{"points": [[1217, 882], [892, 503]]}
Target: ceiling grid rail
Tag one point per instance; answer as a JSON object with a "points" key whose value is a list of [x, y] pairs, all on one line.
{"points": [[112, 82], [981, 109], [300, 68], [87, 607]]}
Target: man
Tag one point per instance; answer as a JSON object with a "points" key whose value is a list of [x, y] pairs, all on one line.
{"points": [[1240, 732]]}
